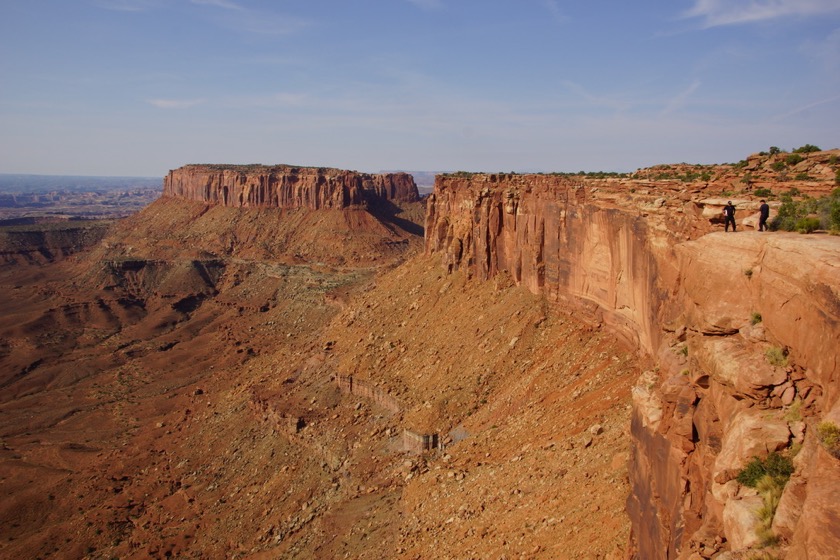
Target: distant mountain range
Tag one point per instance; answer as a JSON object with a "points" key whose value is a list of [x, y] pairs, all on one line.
{"points": [[18, 183]]}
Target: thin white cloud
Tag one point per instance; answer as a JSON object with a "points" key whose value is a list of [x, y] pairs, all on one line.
{"points": [[679, 100], [715, 13], [611, 102], [225, 4], [553, 7], [174, 103], [808, 107]]}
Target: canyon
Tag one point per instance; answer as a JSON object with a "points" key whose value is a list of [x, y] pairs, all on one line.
{"points": [[589, 353]]}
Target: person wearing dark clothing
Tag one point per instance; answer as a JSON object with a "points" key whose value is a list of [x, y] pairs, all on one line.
{"points": [[729, 216], [763, 214]]}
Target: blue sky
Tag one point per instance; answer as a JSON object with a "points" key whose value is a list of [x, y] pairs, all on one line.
{"points": [[138, 87]]}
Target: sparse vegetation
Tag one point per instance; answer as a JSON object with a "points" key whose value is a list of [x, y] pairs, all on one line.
{"points": [[776, 356], [775, 465], [769, 477], [748, 273], [808, 214], [770, 489], [829, 435], [793, 159], [778, 166], [755, 318], [794, 413], [803, 177], [806, 149], [763, 192], [807, 225], [774, 150]]}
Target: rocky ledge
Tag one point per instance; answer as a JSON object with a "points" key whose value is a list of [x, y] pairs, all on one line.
{"points": [[286, 186]]}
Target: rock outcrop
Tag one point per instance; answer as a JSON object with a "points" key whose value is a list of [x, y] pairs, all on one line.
{"points": [[741, 331], [284, 186]]}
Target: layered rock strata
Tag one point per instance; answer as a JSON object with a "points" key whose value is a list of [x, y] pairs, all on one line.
{"points": [[707, 309], [284, 186]]}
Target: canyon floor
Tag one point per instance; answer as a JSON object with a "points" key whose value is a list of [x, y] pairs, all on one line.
{"points": [[168, 397]]}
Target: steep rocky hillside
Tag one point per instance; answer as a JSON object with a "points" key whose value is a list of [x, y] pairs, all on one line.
{"points": [[249, 367]]}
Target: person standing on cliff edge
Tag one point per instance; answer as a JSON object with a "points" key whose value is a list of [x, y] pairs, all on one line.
{"points": [[763, 214], [729, 216]]}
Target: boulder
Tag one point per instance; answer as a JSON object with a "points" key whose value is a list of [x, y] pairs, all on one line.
{"points": [[752, 433], [740, 520]]}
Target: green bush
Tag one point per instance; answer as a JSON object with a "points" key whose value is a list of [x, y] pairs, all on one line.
{"points": [[807, 225], [806, 149], [803, 177], [775, 465], [808, 214], [755, 318], [763, 193], [778, 166], [774, 150], [829, 435], [793, 159]]}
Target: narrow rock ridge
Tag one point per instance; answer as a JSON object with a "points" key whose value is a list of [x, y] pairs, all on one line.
{"points": [[705, 308], [285, 186]]}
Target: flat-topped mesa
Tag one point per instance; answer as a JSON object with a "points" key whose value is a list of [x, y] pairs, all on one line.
{"points": [[285, 186]]}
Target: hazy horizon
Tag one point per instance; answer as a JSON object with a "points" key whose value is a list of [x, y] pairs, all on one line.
{"points": [[139, 87]]}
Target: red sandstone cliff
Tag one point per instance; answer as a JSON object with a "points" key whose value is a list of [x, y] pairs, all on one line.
{"points": [[284, 186], [704, 309]]}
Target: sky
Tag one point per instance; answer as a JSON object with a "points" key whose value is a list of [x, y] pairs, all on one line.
{"points": [[139, 87]]}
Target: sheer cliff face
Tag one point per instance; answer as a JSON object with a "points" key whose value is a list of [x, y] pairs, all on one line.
{"points": [[552, 236], [286, 187], [705, 309]]}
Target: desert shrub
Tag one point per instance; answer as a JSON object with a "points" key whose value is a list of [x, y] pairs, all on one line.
{"points": [[776, 356], [793, 159], [794, 192], [763, 193], [774, 150], [755, 318], [775, 465], [802, 177], [770, 489], [806, 149], [748, 273], [807, 225], [741, 164], [829, 435], [800, 215], [777, 166], [832, 159], [837, 177]]}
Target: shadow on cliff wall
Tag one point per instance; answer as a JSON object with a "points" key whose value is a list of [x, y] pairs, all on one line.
{"points": [[388, 213]]}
